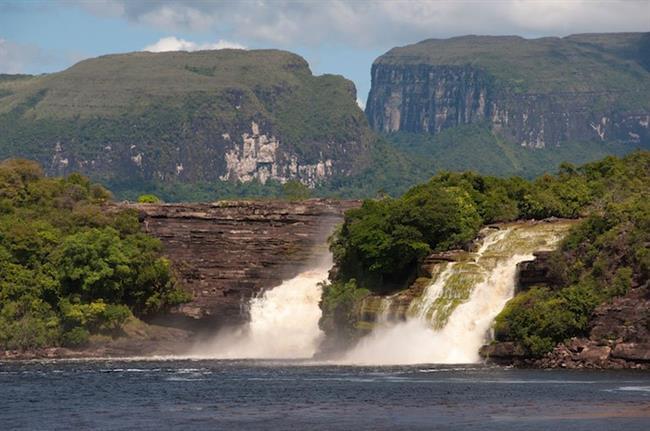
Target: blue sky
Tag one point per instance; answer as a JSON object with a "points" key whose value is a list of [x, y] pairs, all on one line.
{"points": [[336, 36]]}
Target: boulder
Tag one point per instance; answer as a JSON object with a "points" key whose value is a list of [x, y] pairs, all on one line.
{"points": [[637, 352]]}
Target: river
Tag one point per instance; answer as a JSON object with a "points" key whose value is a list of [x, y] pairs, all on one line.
{"points": [[281, 395]]}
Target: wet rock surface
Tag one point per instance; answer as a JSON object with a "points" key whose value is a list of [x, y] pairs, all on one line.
{"points": [[535, 272]]}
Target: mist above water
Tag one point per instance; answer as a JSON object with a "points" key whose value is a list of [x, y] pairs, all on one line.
{"points": [[283, 322]]}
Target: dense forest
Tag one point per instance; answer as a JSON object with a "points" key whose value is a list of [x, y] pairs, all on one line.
{"points": [[68, 267], [380, 245]]}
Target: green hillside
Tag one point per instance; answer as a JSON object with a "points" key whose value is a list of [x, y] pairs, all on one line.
{"points": [[159, 111]]}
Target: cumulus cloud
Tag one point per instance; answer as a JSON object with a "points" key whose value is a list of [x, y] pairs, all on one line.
{"points": [[374, 23], [176, 44]]}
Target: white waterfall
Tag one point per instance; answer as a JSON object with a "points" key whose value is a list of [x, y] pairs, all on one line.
{"points": [[283, 322], [453, 317]]}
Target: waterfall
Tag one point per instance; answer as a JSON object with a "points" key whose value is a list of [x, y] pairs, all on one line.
{"points": [[283, 322], [452, 319]]}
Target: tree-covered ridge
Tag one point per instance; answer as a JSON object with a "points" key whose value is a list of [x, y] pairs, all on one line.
{"points": [[475, 147], [605, 256], [68, 269], [379, 246], [178, 108]]}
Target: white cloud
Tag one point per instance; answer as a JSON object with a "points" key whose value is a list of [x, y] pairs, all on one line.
{"points": [[16, 58], [361, 103], [380, 23], [173, 43]]}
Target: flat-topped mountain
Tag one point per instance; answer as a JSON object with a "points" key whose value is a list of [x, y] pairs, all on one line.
{"points": [[534, 93], [207, 116], [230, 123]]}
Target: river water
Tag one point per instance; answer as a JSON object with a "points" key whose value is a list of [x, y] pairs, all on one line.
{"points": [[280, 395]]}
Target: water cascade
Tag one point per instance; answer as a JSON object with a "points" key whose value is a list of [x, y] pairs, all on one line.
{"points": [[283, 322], [452, 318]]}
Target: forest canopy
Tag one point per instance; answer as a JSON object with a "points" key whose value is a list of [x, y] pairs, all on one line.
{"points": [[68, 268]]}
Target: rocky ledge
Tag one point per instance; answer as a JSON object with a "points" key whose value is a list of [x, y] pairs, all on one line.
{"points": [[226, 252], [136, 338]]}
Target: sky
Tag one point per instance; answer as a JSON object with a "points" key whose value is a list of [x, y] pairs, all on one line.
{"points": [[336, 36]]}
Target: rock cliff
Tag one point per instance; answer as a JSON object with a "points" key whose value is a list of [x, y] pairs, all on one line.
{"points": [[226, 252], [536, 93]]}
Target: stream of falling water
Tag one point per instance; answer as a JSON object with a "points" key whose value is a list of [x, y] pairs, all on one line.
{"points": [[283, 322], [452, 319]]}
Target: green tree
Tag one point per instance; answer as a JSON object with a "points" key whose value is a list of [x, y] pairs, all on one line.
{"points": [[148, 199], [294, 190]]}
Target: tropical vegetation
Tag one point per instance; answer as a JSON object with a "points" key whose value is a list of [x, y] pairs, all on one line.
{"points": [[71, 267]]}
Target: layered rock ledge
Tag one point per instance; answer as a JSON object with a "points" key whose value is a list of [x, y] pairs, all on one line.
{"points": [[224, 253]]}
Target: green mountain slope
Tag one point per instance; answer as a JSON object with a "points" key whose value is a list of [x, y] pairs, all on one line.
{"points": [[209, 116]]}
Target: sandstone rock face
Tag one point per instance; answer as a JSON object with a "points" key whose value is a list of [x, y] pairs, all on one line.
{"points": [[226, 252], [428, 99], [505, 350], [534, 272], [259, 157]]}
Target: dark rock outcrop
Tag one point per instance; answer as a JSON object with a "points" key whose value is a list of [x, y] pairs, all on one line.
{"points": [[226, 252], [505, 351], [535, 272]]}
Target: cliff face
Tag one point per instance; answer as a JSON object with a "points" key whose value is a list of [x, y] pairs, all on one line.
{"points": [[225, 253], [535, 93]]}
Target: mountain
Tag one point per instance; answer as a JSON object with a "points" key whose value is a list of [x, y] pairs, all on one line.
{"points": [[203, 125], [505, 104], [135, 121]]}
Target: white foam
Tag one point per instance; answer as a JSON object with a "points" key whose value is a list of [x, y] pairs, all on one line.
{"points": [[283, 323]]}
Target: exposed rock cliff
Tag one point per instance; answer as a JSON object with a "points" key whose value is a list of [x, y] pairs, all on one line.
{"points": [[537, 93], [226, 252]]}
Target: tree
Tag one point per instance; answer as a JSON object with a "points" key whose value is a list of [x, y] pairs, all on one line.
{"points": [[149, 199], [294, 190]]}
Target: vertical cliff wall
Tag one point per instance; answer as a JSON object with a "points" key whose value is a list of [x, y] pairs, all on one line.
{"points": [[536, 93], [226, 252]]}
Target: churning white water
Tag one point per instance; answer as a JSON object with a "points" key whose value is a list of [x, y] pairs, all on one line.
{"points": [[453, 317], [283, 322]]}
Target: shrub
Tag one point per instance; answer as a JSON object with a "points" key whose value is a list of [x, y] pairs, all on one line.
{"points": [[66, 266], [148, 199], [294, 190], [75, 337]]}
